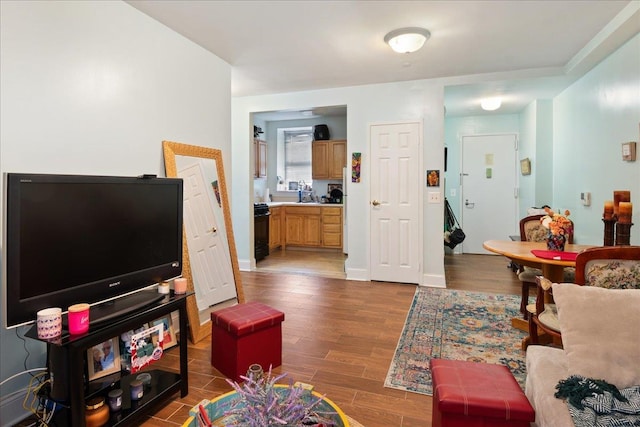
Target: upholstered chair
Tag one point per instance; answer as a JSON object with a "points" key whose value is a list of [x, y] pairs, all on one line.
{"points": [[531, 230], [611, 267]]}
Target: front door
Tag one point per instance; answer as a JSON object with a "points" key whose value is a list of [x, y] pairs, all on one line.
{"points": [[208, 251], [396, 237], [489, 189]]}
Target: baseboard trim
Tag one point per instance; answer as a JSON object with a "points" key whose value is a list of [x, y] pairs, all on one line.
{"points": [[245, 265], [359, 274], [11, 410], [434, 281]]}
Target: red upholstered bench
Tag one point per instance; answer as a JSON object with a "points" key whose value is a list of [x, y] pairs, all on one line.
{"points": [[469, 394], [245, 334]]}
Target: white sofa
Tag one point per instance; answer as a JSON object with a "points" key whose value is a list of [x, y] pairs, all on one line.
{"points": [[601, 338]]}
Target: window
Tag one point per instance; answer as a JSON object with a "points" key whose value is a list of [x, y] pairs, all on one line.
{"points": [[294, 156]]}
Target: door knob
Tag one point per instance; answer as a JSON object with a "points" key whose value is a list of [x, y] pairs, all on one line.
{"points": [[214, 230], [375, 203]]}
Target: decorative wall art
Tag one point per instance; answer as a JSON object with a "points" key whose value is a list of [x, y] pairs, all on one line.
{"points": [[525, 166], [433, 178], [356, 160]]}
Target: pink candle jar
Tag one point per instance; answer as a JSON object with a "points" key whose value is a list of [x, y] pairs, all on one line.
{"points": [[78, 319], [180, 285]]}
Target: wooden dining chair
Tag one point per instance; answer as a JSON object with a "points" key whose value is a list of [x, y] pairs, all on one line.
{"points": [[532, 230], [611, 267]]}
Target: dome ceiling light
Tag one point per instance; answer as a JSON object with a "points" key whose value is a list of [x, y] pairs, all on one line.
{"points": [[491, 104], [407, 40]]}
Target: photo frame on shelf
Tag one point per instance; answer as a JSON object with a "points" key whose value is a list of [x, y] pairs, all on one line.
{"points": [[525, 166], [169, 339], [103, 359]]}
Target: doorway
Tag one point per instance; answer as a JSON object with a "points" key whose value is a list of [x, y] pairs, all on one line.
{"points": [[277, 184], [489, 189]]}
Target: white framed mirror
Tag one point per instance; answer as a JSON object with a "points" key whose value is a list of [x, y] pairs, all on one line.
{"points": [[210, 261]]}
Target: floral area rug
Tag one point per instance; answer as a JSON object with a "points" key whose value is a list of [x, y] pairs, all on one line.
{"points": [[456, 325]]}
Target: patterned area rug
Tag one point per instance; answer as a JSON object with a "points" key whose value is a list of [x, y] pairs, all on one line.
{"points": [[456, 325]]}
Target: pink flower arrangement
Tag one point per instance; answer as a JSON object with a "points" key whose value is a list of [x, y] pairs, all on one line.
{"points": [[556, 223]]}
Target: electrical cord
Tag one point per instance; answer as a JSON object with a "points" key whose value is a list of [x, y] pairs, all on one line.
{"points": [[28, 371], [41, 407], [24, 345]]}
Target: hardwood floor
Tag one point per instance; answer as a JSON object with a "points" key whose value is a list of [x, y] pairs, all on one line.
{"points": [[326, 263], [340, 336]]}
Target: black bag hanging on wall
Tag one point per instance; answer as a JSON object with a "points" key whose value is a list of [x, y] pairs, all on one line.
{"points": [[453, 232], [321, 132]]}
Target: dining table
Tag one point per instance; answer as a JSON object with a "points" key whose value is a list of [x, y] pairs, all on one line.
{"points": [[551, 263]]}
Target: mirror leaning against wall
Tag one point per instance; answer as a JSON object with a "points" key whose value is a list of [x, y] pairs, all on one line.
{"points": [[210, 261]]}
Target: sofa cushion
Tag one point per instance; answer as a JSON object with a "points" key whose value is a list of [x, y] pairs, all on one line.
{"points": [[600, 332], [546, 366]]}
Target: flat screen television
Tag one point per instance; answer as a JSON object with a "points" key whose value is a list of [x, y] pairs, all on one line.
{"points": [[76, 238]]}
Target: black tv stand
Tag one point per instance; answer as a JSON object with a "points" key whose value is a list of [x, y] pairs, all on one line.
{"points": [[122, 306], [71, 350]]}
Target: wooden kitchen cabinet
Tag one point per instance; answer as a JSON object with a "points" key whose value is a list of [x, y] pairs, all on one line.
{"points": [[260, 148], [275, 227], [328, 158], [312, 226], [303, 226], [332, 227]]}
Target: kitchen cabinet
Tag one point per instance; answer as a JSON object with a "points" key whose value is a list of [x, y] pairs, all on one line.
{"points": [[275, 227], [260, 148], [332, 227], [328, 158], [302, 226], [312, 226]]}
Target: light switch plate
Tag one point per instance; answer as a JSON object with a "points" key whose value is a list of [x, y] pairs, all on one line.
{"points": [[434, 197]]}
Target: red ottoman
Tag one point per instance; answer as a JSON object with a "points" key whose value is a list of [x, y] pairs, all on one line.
{"points": [[245, 334], [469, 394]]}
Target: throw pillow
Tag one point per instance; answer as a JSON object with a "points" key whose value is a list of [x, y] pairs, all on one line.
{"points": [[600, 332]]}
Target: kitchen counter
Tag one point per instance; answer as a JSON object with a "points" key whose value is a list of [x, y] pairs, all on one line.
{"points": [[276, 204]]}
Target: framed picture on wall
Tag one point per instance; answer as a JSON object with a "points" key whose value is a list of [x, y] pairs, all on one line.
{"points": [[103, 359], [433, 178]]}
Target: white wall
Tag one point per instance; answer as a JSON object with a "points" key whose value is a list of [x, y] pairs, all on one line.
{"points": [[592, 119], [417, 100], [93, 88], [455, 129]]}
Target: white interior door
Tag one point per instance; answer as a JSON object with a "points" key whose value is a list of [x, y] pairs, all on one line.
{"points": [[208, 251], [489, 189], [396, 237]]}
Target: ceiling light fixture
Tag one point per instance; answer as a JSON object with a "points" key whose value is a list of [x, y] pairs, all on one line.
{"points": [[491, 104], [407, 40]]}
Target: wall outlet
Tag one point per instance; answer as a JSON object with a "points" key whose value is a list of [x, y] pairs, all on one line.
{"points": [[434, 197]]}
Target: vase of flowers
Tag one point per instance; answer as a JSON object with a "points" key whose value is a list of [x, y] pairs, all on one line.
{"points": [[559, 229]]}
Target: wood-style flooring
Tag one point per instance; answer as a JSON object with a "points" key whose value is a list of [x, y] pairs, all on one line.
{"points": [[326, 263], [338, 335]]}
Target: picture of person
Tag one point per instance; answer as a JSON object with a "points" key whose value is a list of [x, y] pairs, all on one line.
{"points": [[433, 178], [107, 358], [97, 359], [103, 359]]}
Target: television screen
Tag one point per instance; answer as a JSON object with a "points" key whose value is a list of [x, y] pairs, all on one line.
{"points": [[72, 239]]}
